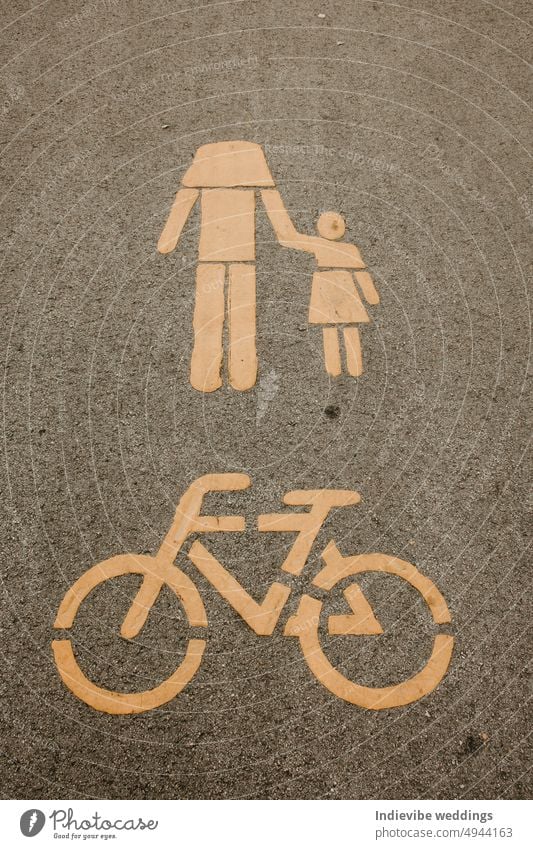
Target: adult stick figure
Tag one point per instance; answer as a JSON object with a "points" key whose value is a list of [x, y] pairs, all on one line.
{"points": [[225, 175]]}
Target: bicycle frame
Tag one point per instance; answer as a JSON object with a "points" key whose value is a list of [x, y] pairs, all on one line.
{"points": [[260, 617]]}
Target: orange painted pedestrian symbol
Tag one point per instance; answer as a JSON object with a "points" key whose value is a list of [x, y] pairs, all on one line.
{"points": [[228, 178]]}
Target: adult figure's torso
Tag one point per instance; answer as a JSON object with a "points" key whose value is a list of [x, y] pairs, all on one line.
{"points": [[228, 225]]}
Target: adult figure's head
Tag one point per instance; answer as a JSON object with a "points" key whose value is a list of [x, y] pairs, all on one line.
{"points": [[228, 164]]}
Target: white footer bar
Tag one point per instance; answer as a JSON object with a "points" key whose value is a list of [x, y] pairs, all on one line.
{"points": [[198, 824]]}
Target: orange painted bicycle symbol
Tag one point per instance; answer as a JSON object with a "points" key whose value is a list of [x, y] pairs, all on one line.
{"points": [[262, 618]]}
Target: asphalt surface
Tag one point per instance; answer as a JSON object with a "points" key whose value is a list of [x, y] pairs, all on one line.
{"points": [[410, 119]]}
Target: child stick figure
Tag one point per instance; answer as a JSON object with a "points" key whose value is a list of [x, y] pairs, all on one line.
{"points": [[335, 300]]}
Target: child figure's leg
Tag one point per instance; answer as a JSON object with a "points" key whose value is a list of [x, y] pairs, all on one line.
{"points": [[332, 353], [354, 356], [241, 308], [208, 323]]}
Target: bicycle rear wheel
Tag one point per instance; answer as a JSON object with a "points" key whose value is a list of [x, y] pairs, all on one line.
{"points": [[109, 701]]}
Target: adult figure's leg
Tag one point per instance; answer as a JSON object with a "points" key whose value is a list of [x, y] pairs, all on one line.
{"points": [[241, 309], [208, 322]]}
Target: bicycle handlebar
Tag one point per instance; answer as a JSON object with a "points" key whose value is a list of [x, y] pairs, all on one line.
{"points": [[331, 497]]}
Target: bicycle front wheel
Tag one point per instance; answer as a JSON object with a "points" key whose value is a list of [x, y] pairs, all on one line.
{"points": [[304, 625]]}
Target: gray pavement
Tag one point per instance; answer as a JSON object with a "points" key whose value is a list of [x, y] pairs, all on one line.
{"points": [[410, 119]]}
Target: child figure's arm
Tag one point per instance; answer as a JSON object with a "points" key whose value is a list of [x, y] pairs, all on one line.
{"points": [[183, 203], [366, 284]]}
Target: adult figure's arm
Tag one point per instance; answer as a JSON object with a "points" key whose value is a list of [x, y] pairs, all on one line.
{"points": [[183, 203], [284, 229], [327, 253]]}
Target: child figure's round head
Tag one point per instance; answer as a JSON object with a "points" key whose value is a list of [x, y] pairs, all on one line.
{"points": [[331, 225]]}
